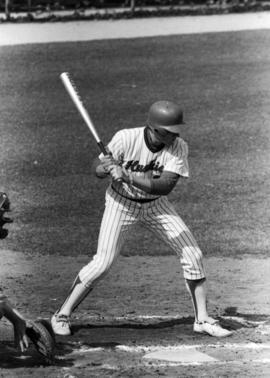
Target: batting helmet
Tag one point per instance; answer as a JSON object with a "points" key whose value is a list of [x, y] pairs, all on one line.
{"points": [[166, 115]]}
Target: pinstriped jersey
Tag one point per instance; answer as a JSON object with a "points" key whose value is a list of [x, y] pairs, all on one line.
{"points": [[129, 148]]}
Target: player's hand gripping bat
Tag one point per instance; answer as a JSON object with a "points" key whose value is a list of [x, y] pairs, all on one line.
{"points": [[75, 97]]}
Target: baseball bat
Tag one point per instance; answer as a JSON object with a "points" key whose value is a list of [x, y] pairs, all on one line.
{"points": [[3, 198], [75, 97]]}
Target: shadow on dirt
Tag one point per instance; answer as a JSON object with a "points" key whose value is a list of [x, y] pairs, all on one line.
{"points": [[10, 358], [230, 319], [234, 320], [232, 311], [135, 324]]}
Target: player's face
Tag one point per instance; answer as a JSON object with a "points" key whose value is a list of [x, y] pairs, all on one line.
{"points": [[163, 136]]}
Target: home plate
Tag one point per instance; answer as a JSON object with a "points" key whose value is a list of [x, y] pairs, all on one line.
{"points": [[183, 356]]}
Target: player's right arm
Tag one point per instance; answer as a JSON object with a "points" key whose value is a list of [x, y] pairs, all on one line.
{"points": [[161, 186]]}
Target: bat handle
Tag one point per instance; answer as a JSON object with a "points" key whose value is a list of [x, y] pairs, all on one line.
{"points": [[105, 152], [102, 148]]}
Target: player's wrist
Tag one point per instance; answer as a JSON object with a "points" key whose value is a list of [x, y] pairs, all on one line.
{"points": [[127, 177], [130, 178]]}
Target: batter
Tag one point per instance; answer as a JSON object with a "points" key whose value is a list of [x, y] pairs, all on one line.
{"points": [[145, 163]]}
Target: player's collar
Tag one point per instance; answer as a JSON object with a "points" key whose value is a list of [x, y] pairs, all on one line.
{"points": [[148, 141]]}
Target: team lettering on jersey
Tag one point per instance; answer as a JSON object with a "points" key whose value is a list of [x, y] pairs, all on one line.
{"points": [[129, 148], [153, 165]]}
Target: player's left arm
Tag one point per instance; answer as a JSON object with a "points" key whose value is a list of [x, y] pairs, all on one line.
{"points": [[157, 186], [175, 167], [164, 184]]}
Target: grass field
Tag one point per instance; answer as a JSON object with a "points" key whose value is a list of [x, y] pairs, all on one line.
{"points": [[223, 82]]}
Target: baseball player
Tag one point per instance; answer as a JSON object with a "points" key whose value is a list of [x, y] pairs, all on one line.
{"points": [[144, 164]]}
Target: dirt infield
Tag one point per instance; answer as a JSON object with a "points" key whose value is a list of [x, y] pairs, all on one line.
{"points": [[141, 307]]}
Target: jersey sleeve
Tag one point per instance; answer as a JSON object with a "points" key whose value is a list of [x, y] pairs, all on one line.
{"points": [[178, 163], [115, 146]]}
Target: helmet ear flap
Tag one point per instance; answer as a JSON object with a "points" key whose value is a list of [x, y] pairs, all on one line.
{"points": [[165, 114]]}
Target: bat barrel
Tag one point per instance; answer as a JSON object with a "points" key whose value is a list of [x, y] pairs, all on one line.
{"points": [[75, 97]]}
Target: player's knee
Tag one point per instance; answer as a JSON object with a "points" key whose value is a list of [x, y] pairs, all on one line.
{"points": [[198, 254], [95, 270], [192, 262], [192, 253]]}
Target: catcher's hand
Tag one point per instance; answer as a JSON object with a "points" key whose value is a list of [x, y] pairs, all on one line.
{"points": [[4, 207], [39, 333]]}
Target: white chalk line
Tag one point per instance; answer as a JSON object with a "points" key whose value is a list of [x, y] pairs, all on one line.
{"points": [[175, 348], [166, 318], [162, 317], [141, 319], [176, 364], [217, 362], [140, 350], [178, 348]]}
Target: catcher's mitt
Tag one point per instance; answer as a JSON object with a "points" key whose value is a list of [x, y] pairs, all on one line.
{"points": [[4, 207], [42, 337]]}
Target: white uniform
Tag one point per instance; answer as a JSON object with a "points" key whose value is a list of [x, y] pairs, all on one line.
{"points": [[127, 205]]}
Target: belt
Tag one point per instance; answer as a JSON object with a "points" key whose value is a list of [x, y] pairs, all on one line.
{"points": [[138, 200]]}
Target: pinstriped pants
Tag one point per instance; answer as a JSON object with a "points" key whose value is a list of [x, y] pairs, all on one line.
{"points": [[159, 216]]}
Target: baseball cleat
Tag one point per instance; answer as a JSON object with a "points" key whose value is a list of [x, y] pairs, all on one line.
{"points": [[61, 324], [214, 329]]}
